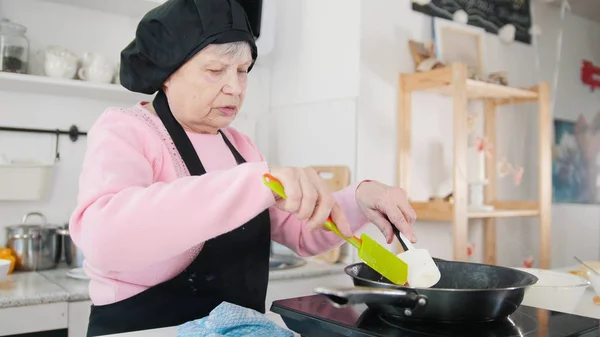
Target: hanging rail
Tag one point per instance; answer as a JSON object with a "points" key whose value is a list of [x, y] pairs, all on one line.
{"points": [[73, 133]]}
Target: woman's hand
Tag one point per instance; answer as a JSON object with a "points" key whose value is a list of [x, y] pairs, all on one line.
{"points": [[309, 198], [386, 206]]}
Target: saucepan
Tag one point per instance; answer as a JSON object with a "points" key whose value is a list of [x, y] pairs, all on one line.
{"points": [[37, 246], [466, 292]]}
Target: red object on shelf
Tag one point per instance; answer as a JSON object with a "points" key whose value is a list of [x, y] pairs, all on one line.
{"points": [[470, 249], [588, 73], [528, 262]]}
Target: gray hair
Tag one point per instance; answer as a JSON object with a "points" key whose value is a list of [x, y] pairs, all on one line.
{"points": [[234, 49]]}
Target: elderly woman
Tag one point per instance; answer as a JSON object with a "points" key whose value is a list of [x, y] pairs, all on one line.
{"points": [[172, 214]]}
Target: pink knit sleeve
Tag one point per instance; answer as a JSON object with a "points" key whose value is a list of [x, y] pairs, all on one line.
{"points": [[293, 233], [126, 221]]}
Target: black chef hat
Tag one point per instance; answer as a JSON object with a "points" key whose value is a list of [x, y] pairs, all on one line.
{"points": [[172, 33]]}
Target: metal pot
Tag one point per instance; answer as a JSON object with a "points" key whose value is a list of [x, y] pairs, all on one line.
{"points": [[36, 246], [73, 255]]}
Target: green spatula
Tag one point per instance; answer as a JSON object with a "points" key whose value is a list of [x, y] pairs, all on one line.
{"points": [[369, 251]]}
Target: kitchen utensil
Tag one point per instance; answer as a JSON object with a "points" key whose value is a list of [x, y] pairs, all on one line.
{"points": [[96, 68], [371, 252], [397, 234], [72, 254], [555, 290], [77, 273], [587, 265], [336, 178], [466, 292], [59, 62], [14, 47], [422, 270], [36, 246], [25, 181]]}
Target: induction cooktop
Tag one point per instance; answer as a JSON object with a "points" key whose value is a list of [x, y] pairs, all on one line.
{"points": [[316, 316]]}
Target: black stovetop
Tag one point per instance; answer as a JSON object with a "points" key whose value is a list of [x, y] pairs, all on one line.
{"points": [[316, 316]]}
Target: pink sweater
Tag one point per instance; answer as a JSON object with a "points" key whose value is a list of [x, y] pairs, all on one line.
{"points": [[141, 218]]}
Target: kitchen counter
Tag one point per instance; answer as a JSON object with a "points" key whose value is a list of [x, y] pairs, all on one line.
{"points": [[585, 307], [52, 286], [75, 289], [312, 268], [29, 288]]}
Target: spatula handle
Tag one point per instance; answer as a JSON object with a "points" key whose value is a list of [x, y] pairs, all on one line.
{"points": [[276, 187], [397, 233], [332, 227]]}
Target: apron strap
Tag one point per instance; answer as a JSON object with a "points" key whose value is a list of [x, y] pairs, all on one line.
{"points": [[178, 135], [238, 157], [182, 141]]}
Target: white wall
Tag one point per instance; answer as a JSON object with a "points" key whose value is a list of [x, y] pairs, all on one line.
{"points": [[309, 84], [386, 27], [315, 83], [578, 225], [48, 24]]}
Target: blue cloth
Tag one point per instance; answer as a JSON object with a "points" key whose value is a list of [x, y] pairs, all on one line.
{"points": [[230, 320]]}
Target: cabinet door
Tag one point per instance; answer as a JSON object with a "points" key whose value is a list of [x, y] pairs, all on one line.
{"points": [[79, 315], [33, 318]]}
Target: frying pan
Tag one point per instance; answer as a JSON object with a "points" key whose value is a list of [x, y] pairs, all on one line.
{"points": [[466, 292]]}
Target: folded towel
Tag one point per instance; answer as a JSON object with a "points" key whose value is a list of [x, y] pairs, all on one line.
{"points": [[230, 320]]}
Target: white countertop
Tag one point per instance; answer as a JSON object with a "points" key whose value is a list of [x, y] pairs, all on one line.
{"points": [[585, 307], [51, 286], [30, 288]]}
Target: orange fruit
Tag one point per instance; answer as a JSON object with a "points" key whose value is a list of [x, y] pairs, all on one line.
{"points": [[5, 252]]}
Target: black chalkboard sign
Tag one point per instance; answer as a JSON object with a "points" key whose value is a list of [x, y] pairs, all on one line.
{"points": [[490, 15]]}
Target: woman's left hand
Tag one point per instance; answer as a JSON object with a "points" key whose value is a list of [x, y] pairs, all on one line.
{"points": [[387, 206]]}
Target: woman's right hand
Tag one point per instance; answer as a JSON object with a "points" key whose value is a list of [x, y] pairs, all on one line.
{"points": [[309, 198]]}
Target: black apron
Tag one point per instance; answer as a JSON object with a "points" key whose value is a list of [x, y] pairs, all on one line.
{"points": [[233, 267]]}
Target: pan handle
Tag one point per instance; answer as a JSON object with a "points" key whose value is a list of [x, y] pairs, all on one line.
{"points": [[342, 297]]}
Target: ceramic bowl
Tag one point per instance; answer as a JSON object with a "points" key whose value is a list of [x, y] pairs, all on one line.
{"points": [[555, 290], [4, 268]]}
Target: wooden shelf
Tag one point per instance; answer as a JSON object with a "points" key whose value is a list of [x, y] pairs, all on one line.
{"points": [[70, 88], [452, 81], [444, 211], [439, 82], [133, 8]]}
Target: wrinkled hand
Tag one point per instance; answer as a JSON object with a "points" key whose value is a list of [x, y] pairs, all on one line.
{"points": [[387, 206], [309, 198]]}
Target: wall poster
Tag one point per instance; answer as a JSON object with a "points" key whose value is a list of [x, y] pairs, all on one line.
{"points": [[490, 15]]}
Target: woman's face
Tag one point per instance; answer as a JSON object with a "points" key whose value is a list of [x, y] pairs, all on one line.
{"points": [[206, 93]]}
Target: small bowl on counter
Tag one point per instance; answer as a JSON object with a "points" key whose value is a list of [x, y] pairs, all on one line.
{"points": [[555, 290], [4, 268], [584, 271]]}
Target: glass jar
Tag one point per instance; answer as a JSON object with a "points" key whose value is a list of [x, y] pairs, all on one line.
{"points": [[14, 47]]}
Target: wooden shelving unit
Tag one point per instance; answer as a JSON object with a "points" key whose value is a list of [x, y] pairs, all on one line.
{"points": [[452, 81]]}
